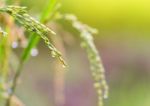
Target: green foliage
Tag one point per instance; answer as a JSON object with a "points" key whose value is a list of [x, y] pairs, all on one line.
{"points": [[34, 40], [35, 28], [49, 10], [19, 13], [27, 51]]}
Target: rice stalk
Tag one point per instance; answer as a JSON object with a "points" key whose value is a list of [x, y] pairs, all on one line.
{"points": [[30, 24], [96, 65], [20, 14]]}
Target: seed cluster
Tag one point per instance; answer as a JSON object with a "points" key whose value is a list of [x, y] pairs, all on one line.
{"points": [[93, 55], [20, 14]]}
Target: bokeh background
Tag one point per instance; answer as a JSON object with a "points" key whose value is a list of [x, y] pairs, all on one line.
{"points": [[123, 42]]}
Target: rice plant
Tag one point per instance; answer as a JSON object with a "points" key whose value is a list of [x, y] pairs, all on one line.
{"points": [[16, 17]]}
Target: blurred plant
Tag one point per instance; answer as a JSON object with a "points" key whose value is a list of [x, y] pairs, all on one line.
{"points": [[34, 28], [85, 34], [2, 32], [97, 68]]}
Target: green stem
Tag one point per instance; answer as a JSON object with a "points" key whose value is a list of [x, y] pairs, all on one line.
{"points": [[14, 85]]}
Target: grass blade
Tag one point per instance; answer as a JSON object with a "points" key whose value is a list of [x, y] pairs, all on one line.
{"points": [[33, 41], [19, 13], [49, 10]]}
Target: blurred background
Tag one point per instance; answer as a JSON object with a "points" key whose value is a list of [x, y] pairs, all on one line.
{"points": [[123, 42]]}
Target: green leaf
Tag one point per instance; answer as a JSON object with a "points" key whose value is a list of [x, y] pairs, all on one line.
{"points": [[32, 25], [49, 10], [33, 41]]}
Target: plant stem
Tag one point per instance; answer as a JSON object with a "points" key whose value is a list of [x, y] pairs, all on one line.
{"points": [[59, 74], [14, 84]]}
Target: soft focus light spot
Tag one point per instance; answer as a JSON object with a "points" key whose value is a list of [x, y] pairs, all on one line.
{"points": [[14, 44], [34, 52]]}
